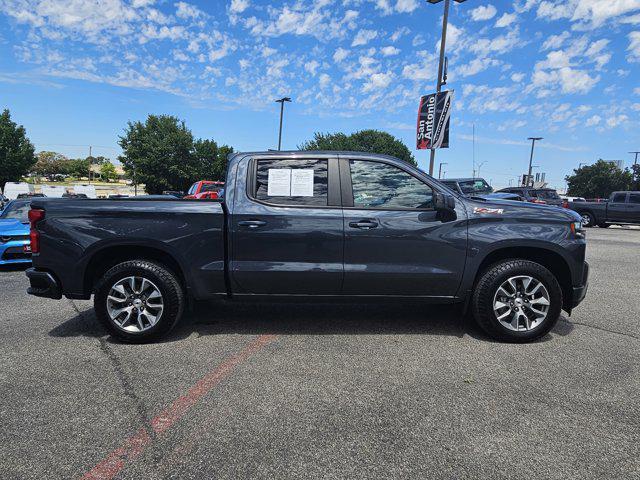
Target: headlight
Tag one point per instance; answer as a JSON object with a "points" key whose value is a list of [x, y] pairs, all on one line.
{"points": [[576, 229]]}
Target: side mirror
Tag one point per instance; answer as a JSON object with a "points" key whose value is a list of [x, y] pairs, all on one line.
{"points": [[444, 201]]}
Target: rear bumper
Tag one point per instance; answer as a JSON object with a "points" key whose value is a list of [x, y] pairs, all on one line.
{"points": [[43, 284], [580, 292]]}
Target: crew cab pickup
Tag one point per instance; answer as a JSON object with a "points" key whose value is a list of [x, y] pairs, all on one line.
{"points": [[621, 208], [315, 226]]}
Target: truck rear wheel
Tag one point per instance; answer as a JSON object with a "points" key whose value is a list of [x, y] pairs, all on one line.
{"points": [[139, 300], [517, 301]]}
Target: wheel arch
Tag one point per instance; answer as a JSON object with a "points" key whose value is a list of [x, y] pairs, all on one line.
{"points": [[107, 257], [549, 259]]}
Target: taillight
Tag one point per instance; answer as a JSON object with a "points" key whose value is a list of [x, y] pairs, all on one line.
{"points": [[35, 215]]}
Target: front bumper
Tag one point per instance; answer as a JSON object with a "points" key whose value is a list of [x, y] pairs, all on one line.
{"points": [[12, 253], [581, 291], [43, 284]]}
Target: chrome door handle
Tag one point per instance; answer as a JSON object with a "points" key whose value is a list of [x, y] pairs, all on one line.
{"points": [[252, 223]]}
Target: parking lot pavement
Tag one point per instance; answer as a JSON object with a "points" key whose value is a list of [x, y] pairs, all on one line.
{"points": [[326, 391]]}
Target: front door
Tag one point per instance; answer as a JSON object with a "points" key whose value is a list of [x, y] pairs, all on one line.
{"points": [[395, 242], [287, 228]]}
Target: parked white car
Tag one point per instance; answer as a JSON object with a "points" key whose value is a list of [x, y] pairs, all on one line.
{"points": [[88, 190], [13, 189], [53, 191]]}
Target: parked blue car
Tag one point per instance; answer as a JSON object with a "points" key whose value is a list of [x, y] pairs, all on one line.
{"points": [[14, 233]]}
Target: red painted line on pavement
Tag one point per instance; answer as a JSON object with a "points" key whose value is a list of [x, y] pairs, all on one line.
{"points": [[133, 446]]}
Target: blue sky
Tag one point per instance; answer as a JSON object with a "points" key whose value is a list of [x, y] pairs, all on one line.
{"points": [[74, 72]]}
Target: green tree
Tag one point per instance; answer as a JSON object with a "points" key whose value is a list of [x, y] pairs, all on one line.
{"points": [[108, 172], [635, 172], [211, 159], [50, 164], [598, 180], [78, 167], [370, 141], [16, 151], [159, 153]]}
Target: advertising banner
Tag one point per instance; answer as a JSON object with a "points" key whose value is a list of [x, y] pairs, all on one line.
{"points": [[434, 113]]}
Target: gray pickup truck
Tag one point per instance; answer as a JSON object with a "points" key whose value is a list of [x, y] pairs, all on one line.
{"points": [[315, 226], [621, 208]]}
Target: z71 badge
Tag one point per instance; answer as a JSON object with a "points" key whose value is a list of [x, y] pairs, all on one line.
{"points": [[488, 211]]}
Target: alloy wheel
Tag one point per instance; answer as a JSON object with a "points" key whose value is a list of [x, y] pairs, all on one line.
{"points": [[135, 304], [521, 303]]}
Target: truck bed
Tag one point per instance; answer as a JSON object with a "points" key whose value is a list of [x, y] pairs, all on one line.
{"points": [[78, 235]]}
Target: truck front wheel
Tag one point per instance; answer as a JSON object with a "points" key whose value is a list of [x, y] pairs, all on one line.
{"points": [[517, 301], [587, 219], [139, 300]]}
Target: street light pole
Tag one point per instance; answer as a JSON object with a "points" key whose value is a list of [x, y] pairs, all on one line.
{"points": [[479, 166], [443, 40], [445, 20], [533, 142], [440, 169], [281, 102], [636, 160]]}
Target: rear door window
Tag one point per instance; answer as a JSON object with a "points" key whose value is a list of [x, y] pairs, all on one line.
{"points": [[619, 198], [292, 182], [634, 198]]}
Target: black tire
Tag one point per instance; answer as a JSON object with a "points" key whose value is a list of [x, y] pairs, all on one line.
{"points": [[487, 286], [165, 280], [604, 225], [588, 219]]}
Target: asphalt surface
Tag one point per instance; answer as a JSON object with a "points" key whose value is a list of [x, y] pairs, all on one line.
{"points": [[326, 391]]}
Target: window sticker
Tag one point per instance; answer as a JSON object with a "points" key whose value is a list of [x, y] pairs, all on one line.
{"points": [[279, 182], [302, 182]]}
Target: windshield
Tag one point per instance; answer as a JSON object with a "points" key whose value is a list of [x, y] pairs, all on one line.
{"points": [[210, 187], [16, 211], [473, 187], [547, 194]]}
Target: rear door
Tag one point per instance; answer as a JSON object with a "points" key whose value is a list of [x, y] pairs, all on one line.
{"points": [[617, 207], [395, 242], [633, 207], [287, 227]]}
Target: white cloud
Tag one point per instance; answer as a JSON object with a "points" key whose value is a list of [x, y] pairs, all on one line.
{"points": [[593, 121], [312, 66], [476, 65], [238, 6], [587, 13], [340, 54], [634, 46], [406, 6], [506, 19], [571, 80], [378, 81], [363, 37], [483, 12], [555, 41], [395, 36], [517, 77], [616, 120], [185, 10], [324, 80], [389, 51], [636, 90]]}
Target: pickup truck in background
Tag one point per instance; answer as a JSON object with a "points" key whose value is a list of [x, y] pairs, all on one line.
{"points": [[621, 208], [316, 226]]}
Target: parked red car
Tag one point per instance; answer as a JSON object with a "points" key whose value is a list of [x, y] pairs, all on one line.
{"points": [[205, 189]]}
